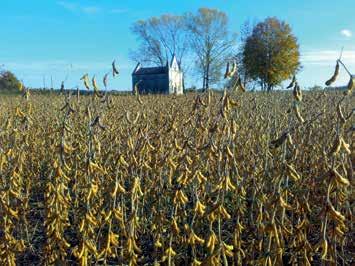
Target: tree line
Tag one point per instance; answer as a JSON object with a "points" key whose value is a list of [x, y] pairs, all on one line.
{"points": [[267, 53]]}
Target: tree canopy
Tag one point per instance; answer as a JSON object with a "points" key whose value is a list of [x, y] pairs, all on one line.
{"points": [[8, 81], [271, 53], [211, 42], [160, 38], [202, 38]]}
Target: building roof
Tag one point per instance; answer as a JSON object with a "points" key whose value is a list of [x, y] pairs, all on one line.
{"points": [[150, 70], [139, 70]]}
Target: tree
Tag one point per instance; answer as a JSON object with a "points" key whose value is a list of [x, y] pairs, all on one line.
{"points": [[245, 32], [160, 38], [316, 88], [8, 81], [271, 53], [211, 43]]}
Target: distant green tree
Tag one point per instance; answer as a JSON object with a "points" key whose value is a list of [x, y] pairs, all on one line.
{"points": [[8, 81], [271, 53]]}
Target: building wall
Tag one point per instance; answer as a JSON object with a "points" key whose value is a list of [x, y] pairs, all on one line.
{"points": [[153, 83], [176, 82], [175, 79], [170, 82]]}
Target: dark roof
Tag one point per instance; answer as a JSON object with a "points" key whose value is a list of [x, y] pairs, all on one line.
{"points": [[151, 70]]}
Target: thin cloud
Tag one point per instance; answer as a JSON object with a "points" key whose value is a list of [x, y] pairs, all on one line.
{"points": [[77, 8], [61, 65], [346, 33], [90, 9], [118, 10], [322, 62], [36, 73], [327, 57], [67, 5]]}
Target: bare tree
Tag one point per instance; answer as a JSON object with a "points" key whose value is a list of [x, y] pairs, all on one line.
{"points": [[160, 38], [245, 31], [211, 42]]}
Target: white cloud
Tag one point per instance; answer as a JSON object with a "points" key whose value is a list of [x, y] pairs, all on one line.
{"points": [[33, 72], [346, 33], [70, 6], [118, 10], [90, 9], [61, 65], [327, 57], [318, 66], [74, 7], [67, 5]]}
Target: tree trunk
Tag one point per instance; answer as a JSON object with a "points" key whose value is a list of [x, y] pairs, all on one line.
{"points": [[269, 88], [204, 82], [262, 85], [207, 76]]}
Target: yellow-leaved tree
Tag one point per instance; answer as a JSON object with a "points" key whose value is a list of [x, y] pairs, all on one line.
{"points": [[271, 53]]}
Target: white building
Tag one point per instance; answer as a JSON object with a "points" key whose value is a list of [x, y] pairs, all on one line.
{"points": [[165, 80]]}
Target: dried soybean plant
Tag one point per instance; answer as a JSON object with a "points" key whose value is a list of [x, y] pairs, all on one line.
{"points": [[351, 83], [235, 81], [220, 178]]}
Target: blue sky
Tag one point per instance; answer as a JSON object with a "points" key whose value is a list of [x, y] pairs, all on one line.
{"points": [[66, 38]]}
